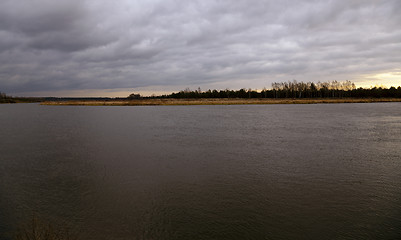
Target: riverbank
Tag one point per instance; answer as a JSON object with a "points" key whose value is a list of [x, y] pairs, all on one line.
{"points": [[215, 101], [20, 100]]}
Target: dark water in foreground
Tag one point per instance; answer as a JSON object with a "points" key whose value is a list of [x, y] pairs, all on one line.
{"points": [[204, 172]]}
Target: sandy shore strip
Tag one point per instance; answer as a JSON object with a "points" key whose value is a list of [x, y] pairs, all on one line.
{"points": [[215, 101]]}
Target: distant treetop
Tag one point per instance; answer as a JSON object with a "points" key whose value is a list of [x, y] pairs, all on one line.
{"points": [[134, 96]]}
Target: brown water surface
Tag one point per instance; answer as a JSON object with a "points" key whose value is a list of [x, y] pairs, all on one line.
{"points": [[204, 172]]}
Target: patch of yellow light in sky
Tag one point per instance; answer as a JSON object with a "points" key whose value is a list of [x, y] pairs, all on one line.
{"points": [[389, 79]]}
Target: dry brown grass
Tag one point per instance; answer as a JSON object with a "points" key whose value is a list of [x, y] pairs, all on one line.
{"points": [[217, 101], [37, 230]]}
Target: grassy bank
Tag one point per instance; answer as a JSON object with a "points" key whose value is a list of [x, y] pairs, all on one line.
{"points": [[38, 230], [216, 101], [20, 100]]}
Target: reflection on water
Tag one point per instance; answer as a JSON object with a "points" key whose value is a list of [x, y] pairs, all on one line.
{"points": [[204, 172]]}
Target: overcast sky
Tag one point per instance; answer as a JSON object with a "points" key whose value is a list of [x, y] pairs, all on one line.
{"points": [[111, 48]]}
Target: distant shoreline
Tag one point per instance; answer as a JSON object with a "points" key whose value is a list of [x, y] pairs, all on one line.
{"points": [[216, 101]]}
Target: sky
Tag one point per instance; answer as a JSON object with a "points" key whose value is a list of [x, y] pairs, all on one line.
{"points": [[113, 48]]}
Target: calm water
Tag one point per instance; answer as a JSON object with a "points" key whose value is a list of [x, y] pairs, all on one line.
{"points": [[204, 172]]}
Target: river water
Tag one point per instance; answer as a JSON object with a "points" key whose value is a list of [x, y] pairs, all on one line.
{"points": [[321, 171]]}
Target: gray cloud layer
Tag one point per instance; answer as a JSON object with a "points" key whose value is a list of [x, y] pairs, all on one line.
{"points": [[48, 45]]}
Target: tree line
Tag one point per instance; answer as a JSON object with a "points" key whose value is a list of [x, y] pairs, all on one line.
{"points": [[290, 89], [294, 89], [6, 99]]}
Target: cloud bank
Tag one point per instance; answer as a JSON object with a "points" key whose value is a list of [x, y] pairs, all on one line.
{"points": [[69, 45]]}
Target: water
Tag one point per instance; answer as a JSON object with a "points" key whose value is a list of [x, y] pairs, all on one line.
{"points": [[204, 172]]}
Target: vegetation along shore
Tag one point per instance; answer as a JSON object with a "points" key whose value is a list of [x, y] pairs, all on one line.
{"points": [[215, 101], [280, 93]]}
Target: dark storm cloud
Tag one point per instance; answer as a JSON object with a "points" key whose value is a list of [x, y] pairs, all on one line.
{"points": [[65, 45]]}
